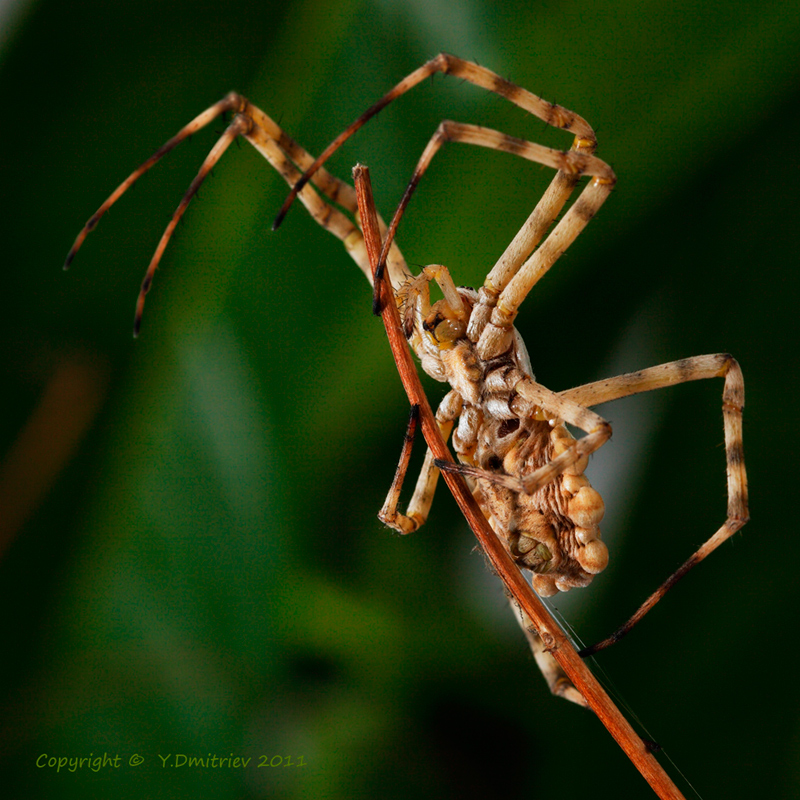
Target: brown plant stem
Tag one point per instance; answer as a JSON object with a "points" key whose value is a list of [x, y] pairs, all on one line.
{"points": [[552, 636]]}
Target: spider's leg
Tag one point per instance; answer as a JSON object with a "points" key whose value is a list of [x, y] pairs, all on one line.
{"points": [[720, 365], [335, 189], [497, 336], [389, 513], [571, 164], [585, 142], [421, 500], [533, 398], [551, 113], [323, 213], [231, 102], [275, 145], [285, 155], [520, 247], [238, 127], [557, 680]]}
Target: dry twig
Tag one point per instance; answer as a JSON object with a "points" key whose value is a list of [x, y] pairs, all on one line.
{"points": [[551, 634]]}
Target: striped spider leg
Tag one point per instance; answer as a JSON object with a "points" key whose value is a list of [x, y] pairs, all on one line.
{"points": [[286, 156], [526, 469]]}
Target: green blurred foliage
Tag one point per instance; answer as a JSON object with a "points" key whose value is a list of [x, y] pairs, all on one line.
{"points": [[205, 573]]}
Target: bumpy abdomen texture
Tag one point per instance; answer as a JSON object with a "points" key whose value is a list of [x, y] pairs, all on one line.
{"points": [[554, 531]]}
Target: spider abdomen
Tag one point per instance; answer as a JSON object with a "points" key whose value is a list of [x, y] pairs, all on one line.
{"points": [[554, 532]]}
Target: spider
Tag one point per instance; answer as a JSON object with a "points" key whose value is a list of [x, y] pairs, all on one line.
{"points": [[524, 467]]}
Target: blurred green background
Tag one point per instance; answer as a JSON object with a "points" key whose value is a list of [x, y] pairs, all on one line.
{"points": [[192, 562]]}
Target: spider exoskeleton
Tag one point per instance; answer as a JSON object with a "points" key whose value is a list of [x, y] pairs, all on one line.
{"points": [[524, 466]]}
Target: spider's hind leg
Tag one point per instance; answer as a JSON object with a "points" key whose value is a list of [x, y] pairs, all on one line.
{"points": [[557, 681], [719, 365], [422, 499]]}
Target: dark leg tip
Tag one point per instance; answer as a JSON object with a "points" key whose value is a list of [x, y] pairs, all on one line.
{"points": [[296, 189], [276, 223], [377, 295], [596, 648]]}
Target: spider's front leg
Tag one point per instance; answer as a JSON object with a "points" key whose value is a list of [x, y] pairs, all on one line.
{"points": [[286, 157]]}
